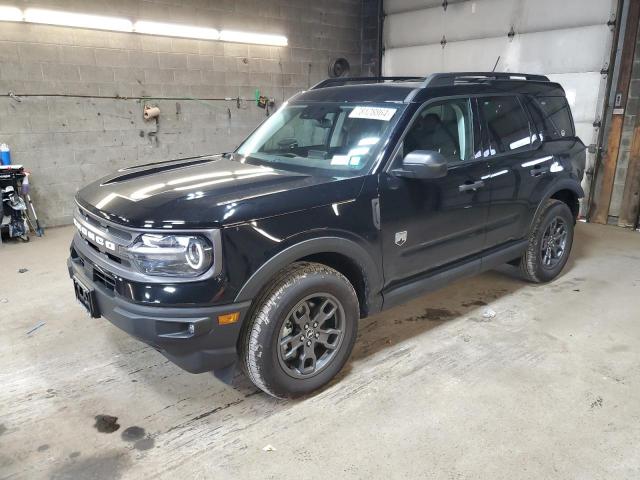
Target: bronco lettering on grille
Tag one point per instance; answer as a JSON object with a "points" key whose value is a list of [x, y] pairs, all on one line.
{"points": [[88, 234]]}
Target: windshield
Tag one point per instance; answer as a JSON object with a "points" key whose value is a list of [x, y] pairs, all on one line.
{"points": [[338, 140]]}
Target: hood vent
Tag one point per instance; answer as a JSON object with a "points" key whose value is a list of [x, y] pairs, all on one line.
{"points": [[151, 168]]}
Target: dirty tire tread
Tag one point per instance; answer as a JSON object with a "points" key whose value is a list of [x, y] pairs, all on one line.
{"points": [[246, 345], [529, 261], [250, 346]]}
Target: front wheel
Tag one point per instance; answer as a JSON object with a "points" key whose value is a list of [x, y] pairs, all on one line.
{"points": [[302, 330], [550, 242]]}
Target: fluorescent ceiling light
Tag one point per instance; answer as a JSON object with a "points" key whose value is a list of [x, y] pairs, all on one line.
{"points": [[68, 19], [10, 14], [258, 38], [176, 30], [99, 22]]}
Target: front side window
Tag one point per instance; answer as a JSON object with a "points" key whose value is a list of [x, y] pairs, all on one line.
{"points": [[507, 124], [340, 140], [445, 127]]}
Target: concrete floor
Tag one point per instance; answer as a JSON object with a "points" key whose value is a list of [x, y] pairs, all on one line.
{"points": [[548, 388]]}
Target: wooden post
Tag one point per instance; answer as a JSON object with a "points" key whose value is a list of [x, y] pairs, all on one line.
{"points": [[601, 201], [630, 208]]}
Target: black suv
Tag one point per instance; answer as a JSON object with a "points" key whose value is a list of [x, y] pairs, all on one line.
{"points": [[356, 195]]}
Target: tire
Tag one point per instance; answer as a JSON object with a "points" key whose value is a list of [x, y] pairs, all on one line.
{"points": [[537, 264], [288, 347]]}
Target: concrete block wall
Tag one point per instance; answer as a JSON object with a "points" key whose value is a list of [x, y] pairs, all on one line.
{"points": [[371, 44], [81, 92]]}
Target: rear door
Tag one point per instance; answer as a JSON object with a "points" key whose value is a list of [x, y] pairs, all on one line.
{"points": [[516, 165]]}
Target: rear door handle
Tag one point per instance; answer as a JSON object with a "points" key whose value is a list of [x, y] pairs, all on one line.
{"points": [[538, 171], [465, 187]]}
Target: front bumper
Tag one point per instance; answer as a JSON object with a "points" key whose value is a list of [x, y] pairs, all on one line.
{"points": [[208, 346]]}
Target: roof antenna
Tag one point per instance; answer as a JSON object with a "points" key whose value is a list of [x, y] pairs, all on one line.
{"points": [[494, 67]]}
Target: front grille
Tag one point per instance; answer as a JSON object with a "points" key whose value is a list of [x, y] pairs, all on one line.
{"points": [[76, 257], [106, 279], [113, 258], [104, 237], [105, 227], [94, 272]]}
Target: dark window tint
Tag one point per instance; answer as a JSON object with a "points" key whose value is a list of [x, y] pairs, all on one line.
{"points": [[552, 117], [507, 124], [444, 127]]}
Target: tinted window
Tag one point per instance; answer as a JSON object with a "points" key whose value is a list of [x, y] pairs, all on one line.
{"points": [[552, 117], [444, 127], [507, 124]]}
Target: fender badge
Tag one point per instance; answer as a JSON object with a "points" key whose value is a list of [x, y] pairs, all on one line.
{"points": [[401, 238]]}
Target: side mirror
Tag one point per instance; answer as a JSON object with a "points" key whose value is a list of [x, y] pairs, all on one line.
{"points": [[422, 164]]}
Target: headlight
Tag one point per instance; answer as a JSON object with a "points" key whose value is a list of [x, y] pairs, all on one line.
{"points": [[171, 255]]}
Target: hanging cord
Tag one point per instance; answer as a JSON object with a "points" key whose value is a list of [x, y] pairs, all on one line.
{"points": [[239, 100]]}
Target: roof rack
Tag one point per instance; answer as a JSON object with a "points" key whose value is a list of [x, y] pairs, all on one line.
{"points": [[448, 79], [434, 80], [336, 82]]}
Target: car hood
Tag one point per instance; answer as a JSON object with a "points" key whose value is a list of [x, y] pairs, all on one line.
{"points": [[208, 192]]}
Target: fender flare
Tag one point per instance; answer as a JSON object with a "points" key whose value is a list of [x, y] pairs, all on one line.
{"points": [[348, 248], [563, 184]]}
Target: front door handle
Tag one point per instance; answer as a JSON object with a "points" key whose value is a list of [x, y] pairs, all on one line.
{"points": [[465, 187]]}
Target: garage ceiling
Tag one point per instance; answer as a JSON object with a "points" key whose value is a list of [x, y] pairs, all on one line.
{"points": [[569, 41]]}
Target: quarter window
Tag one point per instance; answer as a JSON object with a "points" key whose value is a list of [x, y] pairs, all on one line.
{"points": [[507, 124], [445, 127], [552, 117]]}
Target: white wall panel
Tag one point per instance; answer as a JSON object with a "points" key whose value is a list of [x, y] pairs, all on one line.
{"points": [[569, 40], [582, 92], [460, 21], [490, 18], [542, 15], [574, 50], [396, 6], [524, 15], [584, 130]]}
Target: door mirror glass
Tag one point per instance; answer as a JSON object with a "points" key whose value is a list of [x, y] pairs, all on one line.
{"points": [[422, 164]]}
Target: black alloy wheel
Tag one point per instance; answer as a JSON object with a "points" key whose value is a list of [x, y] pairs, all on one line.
{"points": [[311, 335], [554, 243]]}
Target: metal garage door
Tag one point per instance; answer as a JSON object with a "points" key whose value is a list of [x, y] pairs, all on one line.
{"points": [[567, 40]]}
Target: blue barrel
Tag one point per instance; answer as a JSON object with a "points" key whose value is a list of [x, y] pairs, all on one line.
{"points": [[5, 154]]}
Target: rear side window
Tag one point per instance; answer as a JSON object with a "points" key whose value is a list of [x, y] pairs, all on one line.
{"points": [[552, 117], [507, 124]]}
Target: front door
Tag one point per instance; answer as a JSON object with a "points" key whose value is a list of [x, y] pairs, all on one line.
{"points": [[427, 224]]}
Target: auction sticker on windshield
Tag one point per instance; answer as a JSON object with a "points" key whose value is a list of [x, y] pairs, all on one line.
{"points": [[373, 113]]}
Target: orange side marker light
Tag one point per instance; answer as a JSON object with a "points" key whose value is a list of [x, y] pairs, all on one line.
{"points": [[228, 318]]}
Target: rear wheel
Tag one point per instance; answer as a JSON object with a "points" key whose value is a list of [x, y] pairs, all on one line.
{"points": [[302, 330], [550, 242]]}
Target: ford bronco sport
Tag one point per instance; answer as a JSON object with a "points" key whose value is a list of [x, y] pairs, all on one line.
{"points": [[355, 196]]}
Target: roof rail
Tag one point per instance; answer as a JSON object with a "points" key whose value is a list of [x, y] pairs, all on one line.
{"points": [[447, 79], [336, 82]]}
